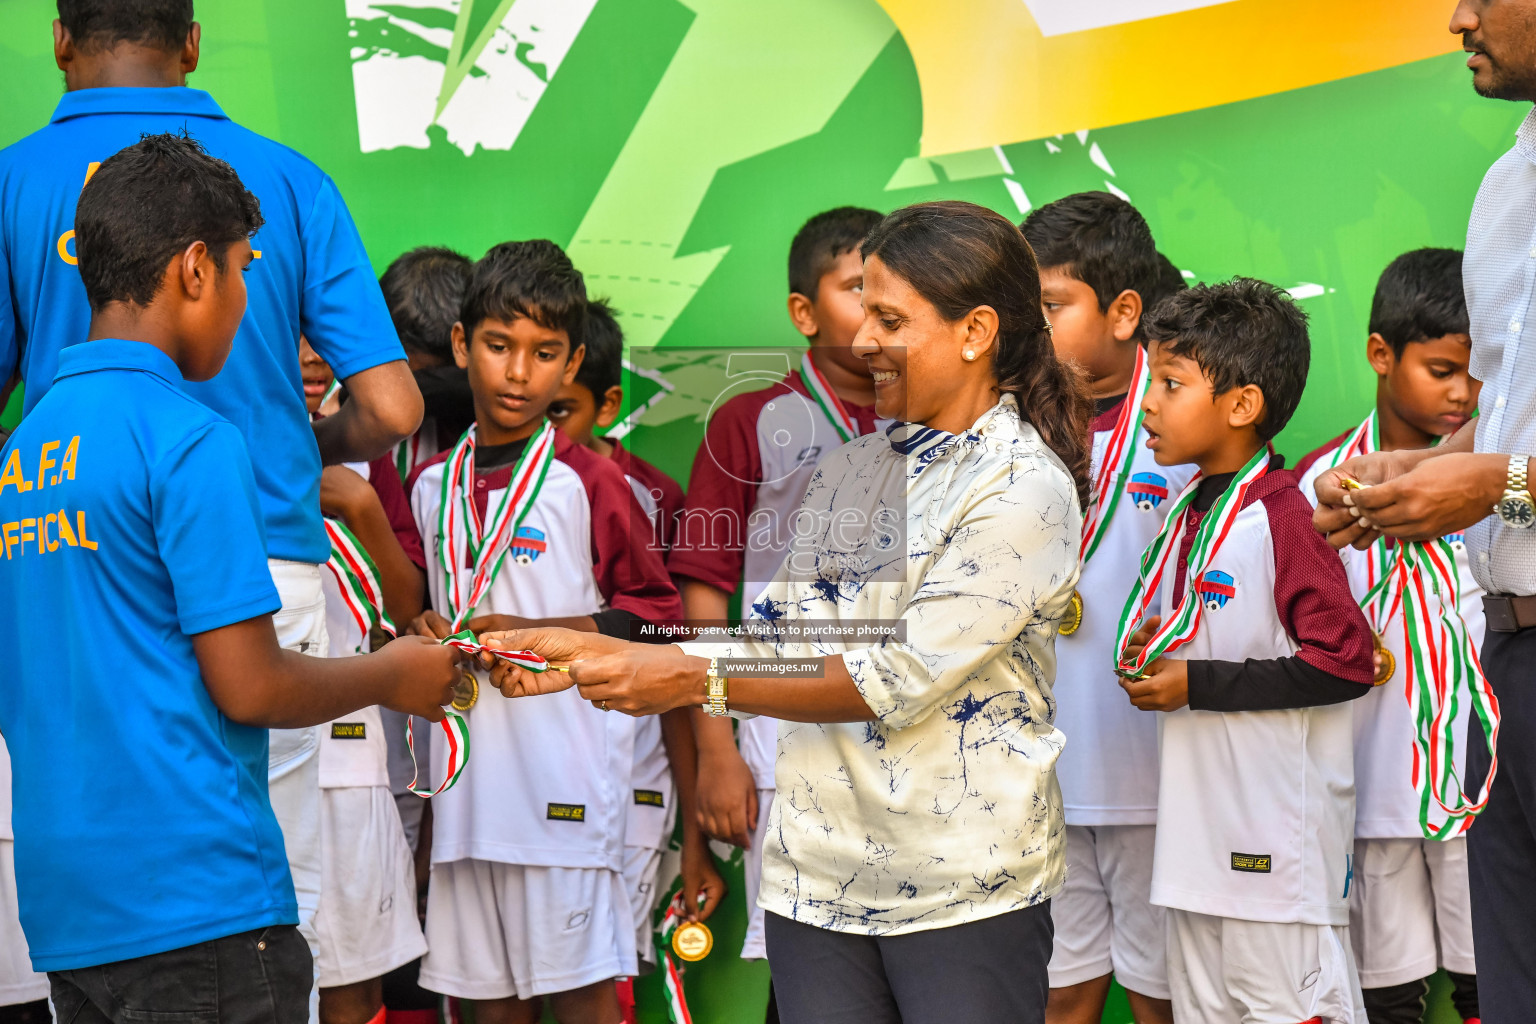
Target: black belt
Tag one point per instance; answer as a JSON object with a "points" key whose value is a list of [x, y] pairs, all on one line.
{"points": [[1505, 614]]}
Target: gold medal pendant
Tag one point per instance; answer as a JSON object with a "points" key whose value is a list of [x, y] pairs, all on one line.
{"points": [[1388, 666], [465, 692], [692, 941], [1074, 617]]}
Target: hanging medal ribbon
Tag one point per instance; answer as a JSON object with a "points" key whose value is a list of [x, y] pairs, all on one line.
{"points": [[672, 979], [471, 550], [831, 405], [357, 579], [1443, 666], [1181, 627], [465, 641]]}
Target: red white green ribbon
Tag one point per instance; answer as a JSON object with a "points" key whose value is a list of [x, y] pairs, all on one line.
{"points": [[465, 641], [331, 392], [1442, 667], [408, 455], [672, 978], [357, 579], [1181, 627], [831, 405], [464, 540], [1115, 465], [456, 734]]}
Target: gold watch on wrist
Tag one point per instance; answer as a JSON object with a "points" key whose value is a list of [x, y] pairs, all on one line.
{"points": [[716, 691], [1515, 509]]}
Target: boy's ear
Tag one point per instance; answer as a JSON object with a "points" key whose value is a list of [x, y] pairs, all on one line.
{"points": [[802, 313], [609, 405], [460, 346], [1378, 352], [1124, 314], [194, 270], [1247, 406], [574, 363]]}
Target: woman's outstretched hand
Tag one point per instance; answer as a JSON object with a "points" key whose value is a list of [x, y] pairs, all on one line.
{"points": [[555, 645]]}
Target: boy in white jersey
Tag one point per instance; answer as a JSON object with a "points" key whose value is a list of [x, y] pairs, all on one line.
{"points": [[520, 525], [1258, 651], [366, 923], [759, 453], [666, 770], [1099, 273], [1410, 909]]}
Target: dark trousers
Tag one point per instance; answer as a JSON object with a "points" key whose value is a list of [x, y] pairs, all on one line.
{"points": [[1501, 845], [259, 977], [984, 972]]}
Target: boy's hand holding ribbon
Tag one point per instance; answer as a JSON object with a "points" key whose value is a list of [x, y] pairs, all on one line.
{"points": [[1165, 684]]}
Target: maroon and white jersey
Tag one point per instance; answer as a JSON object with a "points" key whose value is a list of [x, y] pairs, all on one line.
{"points": [[548, 780], [1108, 769], [1256, 809], [1386, 804], [353, 749], [652, 810], [759, 453]]}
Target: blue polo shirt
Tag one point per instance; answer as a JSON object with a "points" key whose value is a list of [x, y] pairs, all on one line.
{"points": [[129, 522], [312, 277]]}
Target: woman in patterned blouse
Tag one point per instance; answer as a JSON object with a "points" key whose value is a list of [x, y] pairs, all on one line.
{"points": [[917, 835]]}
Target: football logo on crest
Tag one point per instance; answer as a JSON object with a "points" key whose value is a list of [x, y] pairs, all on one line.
{"points": [[1147, 490], [1458, 542], [1216, 588], [527, 545]]}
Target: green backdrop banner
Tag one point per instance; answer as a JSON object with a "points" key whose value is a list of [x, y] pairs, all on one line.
{"points": [[674, 146]]}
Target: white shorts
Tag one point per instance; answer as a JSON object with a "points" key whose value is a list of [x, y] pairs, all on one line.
{"points": [[753, 947], [1410, 910], [501, 930], [1224, 971], [1104, 917], [18, 982], [642, 865], [366, 923]]}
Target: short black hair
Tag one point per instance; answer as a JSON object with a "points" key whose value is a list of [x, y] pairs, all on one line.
{"points": [[603, 365], [1170, 281], [532, 279], [1240, 332], [424, 289], [102, 24], [1419, 297], [147, 203], [824, 238], [1102, 241]]}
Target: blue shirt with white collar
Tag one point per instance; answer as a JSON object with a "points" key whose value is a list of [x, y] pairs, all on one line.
{"points": [[312, 276], [129, 523]]}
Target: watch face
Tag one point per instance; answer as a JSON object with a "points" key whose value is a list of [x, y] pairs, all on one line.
{"points": [[1517, 511]]}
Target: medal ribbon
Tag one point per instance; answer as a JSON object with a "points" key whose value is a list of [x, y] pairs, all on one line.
{"points": [[1182, 626], [357, 578], [1115, 466], [464, 538], [677, 1002], [831, 405], [1442, 661]]}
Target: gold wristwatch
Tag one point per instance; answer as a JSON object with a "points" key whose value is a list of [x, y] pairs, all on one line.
{"points": [[1515, 509], [716, 705]]}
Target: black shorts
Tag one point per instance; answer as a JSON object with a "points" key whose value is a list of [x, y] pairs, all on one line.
{"points": [[257, 977], [984, 972]]}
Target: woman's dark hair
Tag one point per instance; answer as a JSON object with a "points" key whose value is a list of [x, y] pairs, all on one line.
{"points": [[960, 256]]}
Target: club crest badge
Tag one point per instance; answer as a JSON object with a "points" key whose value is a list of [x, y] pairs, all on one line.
{"points": [[1216, 588], [1458, 542], [1147, 490], [527, 545]]}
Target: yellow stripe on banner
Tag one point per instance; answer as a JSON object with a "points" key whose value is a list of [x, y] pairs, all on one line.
{"points": [[990, 74]]}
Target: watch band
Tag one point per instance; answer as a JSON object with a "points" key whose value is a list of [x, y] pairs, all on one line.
{"points": [[1519, 466], [716, 691]]}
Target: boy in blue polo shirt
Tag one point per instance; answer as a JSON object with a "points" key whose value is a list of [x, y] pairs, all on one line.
{"points": [[144, 669]]}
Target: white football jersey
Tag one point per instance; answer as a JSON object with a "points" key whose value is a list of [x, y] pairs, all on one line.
{"points": [[1108, 770], [1256, 809], [1386, 805]]}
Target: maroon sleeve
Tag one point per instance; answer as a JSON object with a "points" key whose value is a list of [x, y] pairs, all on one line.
{"points": [[397, 507], [417, 547], [709, 541], [1312, 456], [1312, 593], [630, 572]]}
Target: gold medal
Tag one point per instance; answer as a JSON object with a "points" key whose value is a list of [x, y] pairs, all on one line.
{"points": [[692, 941], [1388, 666], [465, 692], [1074, 616]]}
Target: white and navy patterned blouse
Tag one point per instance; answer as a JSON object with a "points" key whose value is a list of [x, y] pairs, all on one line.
{"points": [[946, 809]]}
